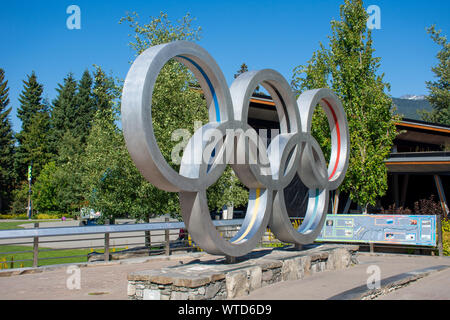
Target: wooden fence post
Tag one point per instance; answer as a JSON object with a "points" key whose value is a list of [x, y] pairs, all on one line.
{"points": [[167, 239], [35, 248], [106, 258], [148, 239]]}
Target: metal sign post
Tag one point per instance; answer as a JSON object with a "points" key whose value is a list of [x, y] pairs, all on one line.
{"points": [[29, 190]]}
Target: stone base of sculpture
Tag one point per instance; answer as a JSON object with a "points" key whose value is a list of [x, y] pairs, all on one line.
{"points": [[215, 279]]}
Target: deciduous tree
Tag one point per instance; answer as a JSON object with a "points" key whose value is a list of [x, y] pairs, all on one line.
{"points": [[349, 68], [439, 96], [176, 106]]}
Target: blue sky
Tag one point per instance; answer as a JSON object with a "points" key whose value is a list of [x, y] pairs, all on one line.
{"points": [[263, 34]]}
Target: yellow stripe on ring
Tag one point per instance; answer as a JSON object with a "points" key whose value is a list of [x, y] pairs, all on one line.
{"points": [[254, 215]]}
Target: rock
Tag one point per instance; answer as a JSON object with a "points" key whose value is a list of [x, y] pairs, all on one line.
{"points": [[191, 281], [201, 290], [131, 289], [237, 284], [338, 259], [306, 265], [161, 279], [254, 275], [131, 253], [217, 277], [269, 264], [267, 275], [151, 294], [178, 295], [321, 255], [196, 297], [318, 266], [212, 290], [96, 256], [292, 269]]}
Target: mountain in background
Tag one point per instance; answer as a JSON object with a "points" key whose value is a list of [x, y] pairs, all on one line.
{"points": [[413, 97], [408, 106]]}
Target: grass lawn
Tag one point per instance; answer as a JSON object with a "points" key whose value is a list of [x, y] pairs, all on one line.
{"points": [[21, 253]]}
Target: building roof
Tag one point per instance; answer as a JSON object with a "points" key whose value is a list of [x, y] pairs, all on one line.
{"points": [[419, 162], [413, 131]]}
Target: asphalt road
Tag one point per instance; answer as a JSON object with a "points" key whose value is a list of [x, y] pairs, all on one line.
{"points": [[123, 239]]}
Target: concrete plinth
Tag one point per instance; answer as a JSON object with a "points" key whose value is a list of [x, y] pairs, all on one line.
{"points": [[217, 280]]}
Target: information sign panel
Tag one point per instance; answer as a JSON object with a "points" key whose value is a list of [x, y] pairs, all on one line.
{"points": [[389, 229]]}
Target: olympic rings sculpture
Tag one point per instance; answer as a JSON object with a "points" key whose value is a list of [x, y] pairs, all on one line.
{"points": [[293, 151]]}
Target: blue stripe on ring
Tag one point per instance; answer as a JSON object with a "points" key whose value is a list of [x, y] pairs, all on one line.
{"points": [[313, 217], [211, 87]]}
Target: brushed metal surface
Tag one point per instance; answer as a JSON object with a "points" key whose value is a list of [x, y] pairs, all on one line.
{"points": [[265, 170]]}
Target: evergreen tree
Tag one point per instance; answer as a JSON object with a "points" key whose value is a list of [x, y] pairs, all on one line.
{"points": [[439, 96], [350, 70], [242, 70], [64, 111], [30, 100], [34, 149], [103, 93], [6, 146], [74, 111], [85, 107], [71, 119], [34, 140]]}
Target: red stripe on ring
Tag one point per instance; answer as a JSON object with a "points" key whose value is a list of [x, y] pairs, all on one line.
{"points": [[338, 131]]}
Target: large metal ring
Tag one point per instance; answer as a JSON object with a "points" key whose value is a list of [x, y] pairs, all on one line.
{"points": [[137, 109], [265, 170]]}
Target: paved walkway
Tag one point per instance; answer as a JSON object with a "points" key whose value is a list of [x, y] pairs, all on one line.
{"points": [[97, 282], [325, 285], [433, 287], [110, 281]]}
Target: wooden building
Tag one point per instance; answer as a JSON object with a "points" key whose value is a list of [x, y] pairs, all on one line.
{"points": [[418, 168]]}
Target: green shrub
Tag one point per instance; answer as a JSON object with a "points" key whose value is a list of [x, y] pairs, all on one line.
{"points": [[446, 225], [46, 216], [40, 216], [446, 236], [20, 199], [14, 216]]}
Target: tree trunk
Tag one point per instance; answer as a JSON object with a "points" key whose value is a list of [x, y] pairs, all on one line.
{"points": [[365, 209], [148, 240]]}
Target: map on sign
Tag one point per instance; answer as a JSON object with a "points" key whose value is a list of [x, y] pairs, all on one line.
{"points": [[398, 229]]}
